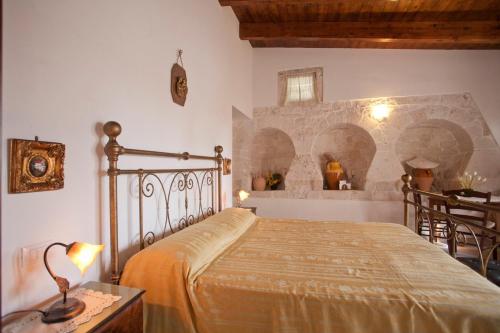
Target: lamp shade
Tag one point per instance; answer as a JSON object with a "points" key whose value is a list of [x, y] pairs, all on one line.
{"points": [[83, 254], [243, 195]]}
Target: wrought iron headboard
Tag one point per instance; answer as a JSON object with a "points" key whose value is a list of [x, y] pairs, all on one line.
{"points": [[183, 180], [425, 214]]}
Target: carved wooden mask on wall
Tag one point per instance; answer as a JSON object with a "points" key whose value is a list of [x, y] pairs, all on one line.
{"points": [[35, 166], [178, 85]]}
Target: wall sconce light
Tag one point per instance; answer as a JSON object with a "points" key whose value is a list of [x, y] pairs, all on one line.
{"points": [[242, 196], [380, 112], [226, 166], [82, 255]]}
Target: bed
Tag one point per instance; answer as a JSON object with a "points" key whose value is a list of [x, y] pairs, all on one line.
{"points": [[236, 272]]}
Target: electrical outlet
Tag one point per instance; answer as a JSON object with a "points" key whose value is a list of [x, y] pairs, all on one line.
{"points": [[33, 254]]}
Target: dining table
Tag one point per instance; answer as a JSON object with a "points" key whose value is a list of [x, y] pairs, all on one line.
{"points": [[493, 216]]}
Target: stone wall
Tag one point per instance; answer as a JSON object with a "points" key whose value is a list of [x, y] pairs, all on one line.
{"points": [[448, 129], [272, 151], [441, 141], [350, 144], [241, 159]]}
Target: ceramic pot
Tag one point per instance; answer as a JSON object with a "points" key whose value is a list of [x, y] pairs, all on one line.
{"points": [[423, 179], [333, 173], [332, 180], [259, 183]]}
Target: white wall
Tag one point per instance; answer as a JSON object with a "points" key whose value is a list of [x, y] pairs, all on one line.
{"points": [[70, 66], [328, 210], [358, 73]]}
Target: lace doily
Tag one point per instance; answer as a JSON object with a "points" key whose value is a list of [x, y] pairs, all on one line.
{"points": [[95, 303]]}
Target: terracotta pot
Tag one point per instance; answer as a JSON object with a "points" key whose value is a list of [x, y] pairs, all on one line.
{"points": [[259, 184], [423, 179], [332, 180]]}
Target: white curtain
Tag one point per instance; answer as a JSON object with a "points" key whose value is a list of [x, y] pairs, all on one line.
{"points": [[300, 88]]}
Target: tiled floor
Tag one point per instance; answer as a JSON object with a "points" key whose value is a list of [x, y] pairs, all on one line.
{"points": [[469, 256]]}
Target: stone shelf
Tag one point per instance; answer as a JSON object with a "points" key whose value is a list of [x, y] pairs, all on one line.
{"points": [[332, 195]]}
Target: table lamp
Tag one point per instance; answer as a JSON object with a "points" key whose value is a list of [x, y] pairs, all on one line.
{"points": [[82, 255], [242, 196]]}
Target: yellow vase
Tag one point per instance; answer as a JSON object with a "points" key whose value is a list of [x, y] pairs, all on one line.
{"points": [[333, 174]]}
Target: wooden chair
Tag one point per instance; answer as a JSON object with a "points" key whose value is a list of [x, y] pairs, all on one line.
{"points": [[475, 215], [429, 224]]}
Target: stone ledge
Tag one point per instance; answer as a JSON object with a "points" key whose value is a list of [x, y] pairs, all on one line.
{"points": [[332, 195]]}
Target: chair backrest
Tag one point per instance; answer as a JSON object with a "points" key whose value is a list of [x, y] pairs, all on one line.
{"points": [[417, 198], [471, 213]]}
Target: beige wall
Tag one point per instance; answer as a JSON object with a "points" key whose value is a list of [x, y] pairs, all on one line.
{"points": [[69, 66]]}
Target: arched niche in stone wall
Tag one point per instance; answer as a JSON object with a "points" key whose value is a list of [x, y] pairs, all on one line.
{"points": [[441, 141], [351, 145], [272, 151]]}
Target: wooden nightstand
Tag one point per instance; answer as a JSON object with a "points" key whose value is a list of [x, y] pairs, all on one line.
{"points": [[123, 316]]}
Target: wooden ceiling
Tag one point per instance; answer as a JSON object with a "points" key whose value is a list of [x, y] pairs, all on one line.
{"points": [[400, 24]]}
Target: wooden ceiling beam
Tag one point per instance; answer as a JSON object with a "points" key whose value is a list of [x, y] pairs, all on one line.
{"points": [[272, 2], [403, 3], [374, 43], [451, 32], [438, 24]]}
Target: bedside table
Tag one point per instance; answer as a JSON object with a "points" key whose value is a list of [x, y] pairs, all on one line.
{"points": [[252, 209], [123, 316]]}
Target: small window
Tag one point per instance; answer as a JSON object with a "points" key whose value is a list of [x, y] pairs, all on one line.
{"points": [[300, 86], [300, 89]]}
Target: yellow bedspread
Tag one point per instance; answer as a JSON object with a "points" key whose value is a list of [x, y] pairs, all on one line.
{"points": [[237, 273]]}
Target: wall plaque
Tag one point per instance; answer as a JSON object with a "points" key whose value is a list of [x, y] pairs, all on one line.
{"points": [[35, 166], [178, 81]]}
